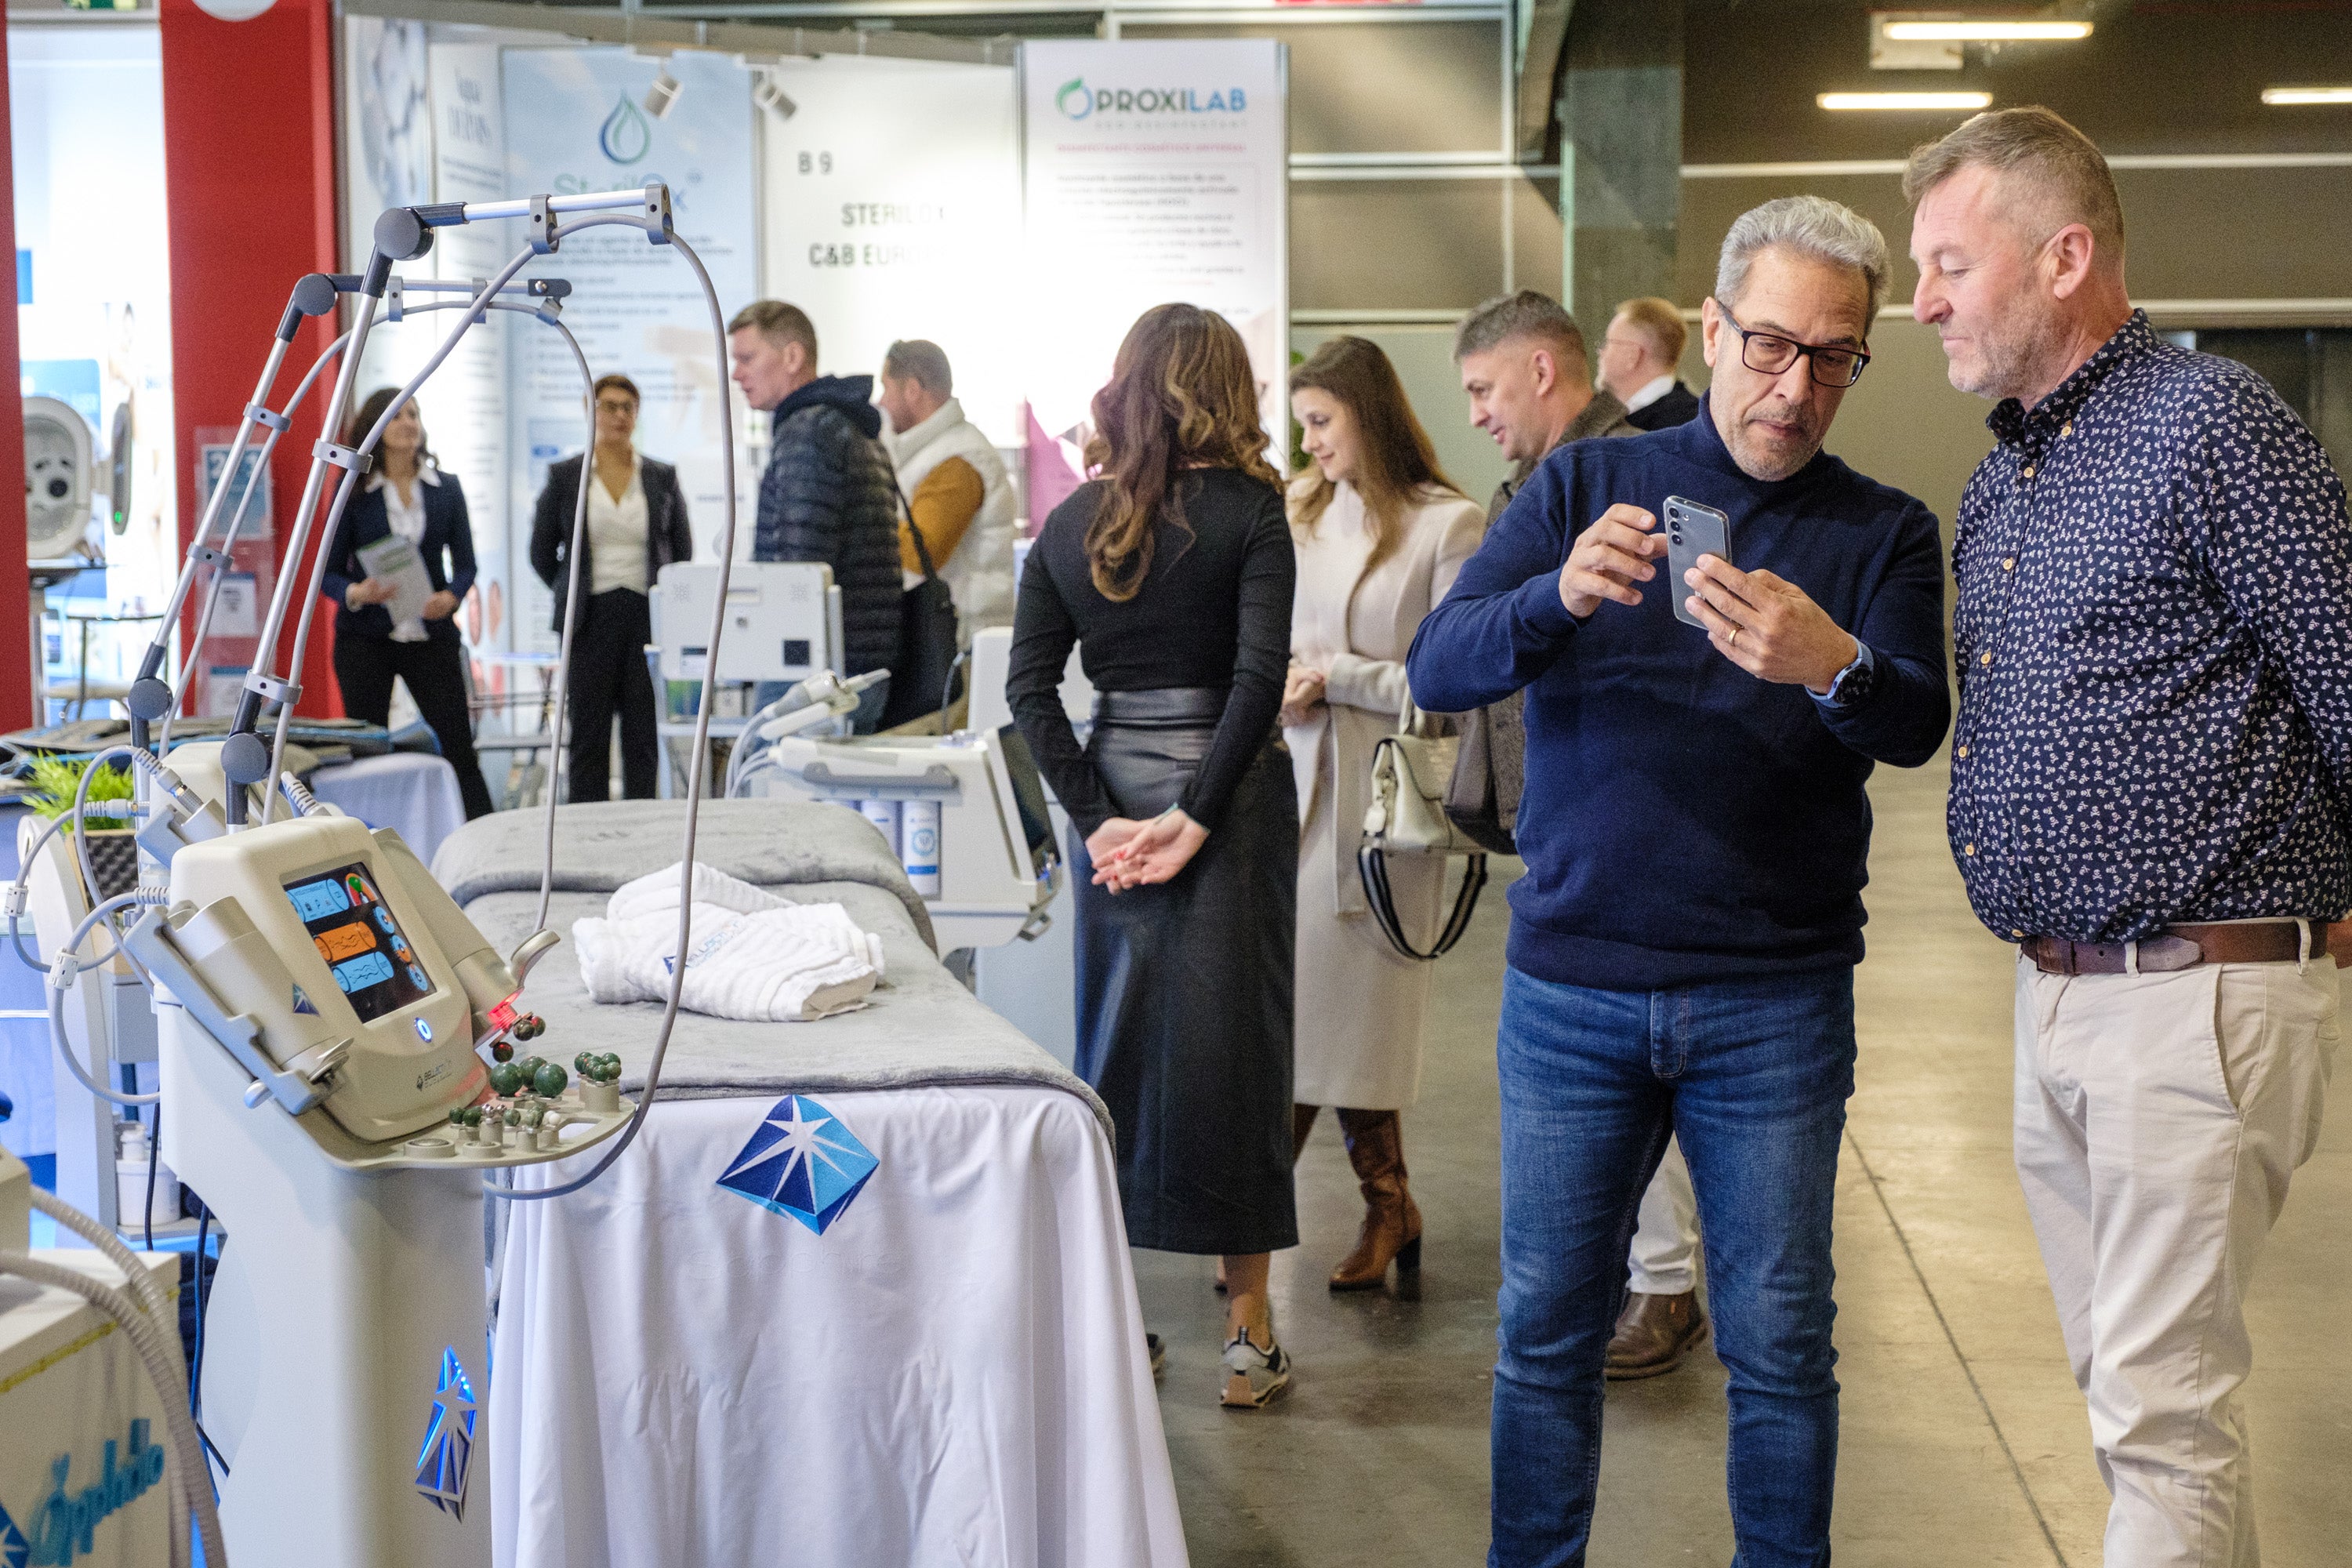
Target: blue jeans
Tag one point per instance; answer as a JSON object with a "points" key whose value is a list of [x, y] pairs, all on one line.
{"points": [[1752, 1077]]}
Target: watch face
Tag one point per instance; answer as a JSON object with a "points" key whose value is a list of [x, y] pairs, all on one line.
{"points": [[1854, 681]]}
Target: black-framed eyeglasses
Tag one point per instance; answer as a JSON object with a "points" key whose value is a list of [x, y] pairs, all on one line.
{"points": [[1772, 355]]}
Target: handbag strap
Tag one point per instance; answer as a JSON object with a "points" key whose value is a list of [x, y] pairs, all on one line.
{"points": [[1372, 868], [922, 550], [1412, 720]]}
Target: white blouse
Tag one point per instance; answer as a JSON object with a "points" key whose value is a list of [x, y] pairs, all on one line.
{"points": [[616, 530], [407, 520]]}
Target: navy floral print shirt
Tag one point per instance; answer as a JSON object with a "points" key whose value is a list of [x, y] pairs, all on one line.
{"points": [[2153, 635]]}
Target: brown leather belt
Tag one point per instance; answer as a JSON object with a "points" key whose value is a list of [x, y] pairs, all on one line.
{"points": [[2182, 947]]}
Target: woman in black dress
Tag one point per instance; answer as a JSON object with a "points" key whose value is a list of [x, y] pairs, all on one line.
{"points": [[1172, 573]]}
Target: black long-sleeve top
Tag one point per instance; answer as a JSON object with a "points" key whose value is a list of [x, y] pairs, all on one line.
{"points": [[1214, 610]]}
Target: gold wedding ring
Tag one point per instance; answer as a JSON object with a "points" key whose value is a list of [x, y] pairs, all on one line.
{"points": [[1734, 639]]}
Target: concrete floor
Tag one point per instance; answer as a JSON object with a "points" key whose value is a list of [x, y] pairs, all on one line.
{"points": [[1964, 1439]]}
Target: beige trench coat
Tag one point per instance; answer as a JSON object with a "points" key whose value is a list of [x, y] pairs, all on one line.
{"points": [[1358, 1021]]}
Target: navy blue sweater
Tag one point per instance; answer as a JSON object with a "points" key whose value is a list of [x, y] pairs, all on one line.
{"points": [[1682, 821]]}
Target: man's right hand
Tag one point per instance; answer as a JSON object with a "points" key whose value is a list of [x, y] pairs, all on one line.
{"points": [[1609, 557]]}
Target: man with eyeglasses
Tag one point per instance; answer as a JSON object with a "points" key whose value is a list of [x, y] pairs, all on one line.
{"points": [[1695, 828]]}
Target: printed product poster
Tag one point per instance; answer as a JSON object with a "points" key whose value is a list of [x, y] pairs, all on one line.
{"points": [[1154, 171], [424, 126], [466, 401], [576, 122], [893, 196]]}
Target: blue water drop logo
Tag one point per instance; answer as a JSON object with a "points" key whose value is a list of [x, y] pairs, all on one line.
{"points": [[625, 136]]}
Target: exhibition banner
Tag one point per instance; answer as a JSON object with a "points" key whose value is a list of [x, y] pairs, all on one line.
{"points": [[575, 121], [423, 125], [893, 210], [467, 400], [1154, 171]]}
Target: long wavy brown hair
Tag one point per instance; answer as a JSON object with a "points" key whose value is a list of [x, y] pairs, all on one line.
{"points": [[1395, 466], [1180, 397]]}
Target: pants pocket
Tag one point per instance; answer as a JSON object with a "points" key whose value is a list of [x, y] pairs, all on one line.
{"points": [[2236, 1023]]}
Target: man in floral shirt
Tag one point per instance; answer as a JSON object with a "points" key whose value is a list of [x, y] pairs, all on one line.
{"points": [[2151, 794]]}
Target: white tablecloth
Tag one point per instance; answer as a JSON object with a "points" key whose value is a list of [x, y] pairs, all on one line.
{"points": [[952, 1372], [412, 793]]}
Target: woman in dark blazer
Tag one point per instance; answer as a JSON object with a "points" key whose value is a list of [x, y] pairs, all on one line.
{"points": [[635, 526], [405, 494]]}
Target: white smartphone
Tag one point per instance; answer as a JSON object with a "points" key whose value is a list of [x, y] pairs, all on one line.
{"points": [[1692, 531]]}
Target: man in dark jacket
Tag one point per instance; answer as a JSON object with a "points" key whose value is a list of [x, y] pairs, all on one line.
{"points": [[1638, 356], [827, 494]]}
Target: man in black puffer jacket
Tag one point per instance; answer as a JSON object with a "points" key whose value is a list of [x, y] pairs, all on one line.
{"points": [[827, 494]]}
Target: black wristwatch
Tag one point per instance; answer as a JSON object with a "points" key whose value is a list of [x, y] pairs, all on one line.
{"points": [[1854, 683]]}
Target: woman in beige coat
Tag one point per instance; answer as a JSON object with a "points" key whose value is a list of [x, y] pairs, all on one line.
{"points": [[1380, 533]]}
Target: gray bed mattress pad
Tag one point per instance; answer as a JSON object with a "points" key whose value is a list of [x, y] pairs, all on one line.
{"points": [[921, 1028]]}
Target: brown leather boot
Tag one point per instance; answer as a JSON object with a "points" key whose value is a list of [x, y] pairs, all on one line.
{"points": [[1392, 1231], [1654, 1334]]}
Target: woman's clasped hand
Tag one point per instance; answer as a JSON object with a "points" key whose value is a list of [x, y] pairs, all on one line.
{"points": [[1131, 854]]}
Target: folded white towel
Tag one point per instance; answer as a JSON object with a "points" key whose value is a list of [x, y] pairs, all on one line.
{"points": [[750, 956], [657, 894]]}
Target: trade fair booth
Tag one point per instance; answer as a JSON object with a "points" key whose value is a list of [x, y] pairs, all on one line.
{"points": [[881, 1250]]}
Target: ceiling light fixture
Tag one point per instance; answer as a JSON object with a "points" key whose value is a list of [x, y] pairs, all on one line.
{"points": [[2282, 96], [769, 95], [1905, 100], [662, 97], [1963, 31]]}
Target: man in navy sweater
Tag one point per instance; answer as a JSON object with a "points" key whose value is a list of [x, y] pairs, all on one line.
{"points": [[1696, 829]]}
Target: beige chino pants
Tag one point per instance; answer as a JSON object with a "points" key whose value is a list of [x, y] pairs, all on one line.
{"points": [[2158, 1119]]}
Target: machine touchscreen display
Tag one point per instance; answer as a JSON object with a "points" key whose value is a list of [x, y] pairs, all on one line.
{"points": [[366, 952]]}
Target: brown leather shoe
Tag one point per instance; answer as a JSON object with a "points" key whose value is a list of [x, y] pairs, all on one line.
{"points": [[1654, 1334], [1391, 1229]]}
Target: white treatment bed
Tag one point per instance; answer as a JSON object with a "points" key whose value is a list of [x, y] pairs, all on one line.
{"points": [[938, 1362]]}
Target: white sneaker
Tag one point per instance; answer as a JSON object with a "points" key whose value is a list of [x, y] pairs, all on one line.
{"points": [[1254, 1375]]}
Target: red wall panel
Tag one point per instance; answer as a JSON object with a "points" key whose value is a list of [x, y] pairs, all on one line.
{"points": [[249, 156]]}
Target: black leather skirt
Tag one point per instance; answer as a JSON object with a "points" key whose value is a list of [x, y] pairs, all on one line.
{"points": [[1184, 989]]}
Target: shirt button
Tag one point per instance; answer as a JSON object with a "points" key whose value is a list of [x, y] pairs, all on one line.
{"points": [[1968, 848], [2067, 429], [2029, 470], [2017, 934], [2009, 563], [1963, 750], [1985, 658]]}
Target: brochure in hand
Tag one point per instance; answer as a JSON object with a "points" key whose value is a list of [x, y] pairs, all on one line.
{"points": [[395, 560]]}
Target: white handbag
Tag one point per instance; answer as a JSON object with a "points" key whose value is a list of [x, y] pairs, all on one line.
{"points": [[1411, 772]]}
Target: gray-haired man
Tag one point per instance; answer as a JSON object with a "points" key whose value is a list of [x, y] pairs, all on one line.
{"points": [[2151, 795], [1687, 970]]}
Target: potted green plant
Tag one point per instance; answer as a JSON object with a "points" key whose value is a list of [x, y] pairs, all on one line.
{"points": [[113, 851]]}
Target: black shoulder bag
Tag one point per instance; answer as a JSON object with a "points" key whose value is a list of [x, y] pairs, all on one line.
{"points": [[926, 637]]}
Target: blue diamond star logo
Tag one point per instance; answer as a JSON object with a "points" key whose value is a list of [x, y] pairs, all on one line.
{"points": [[448, 1453], [802, 1161], [15, 1550]]}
